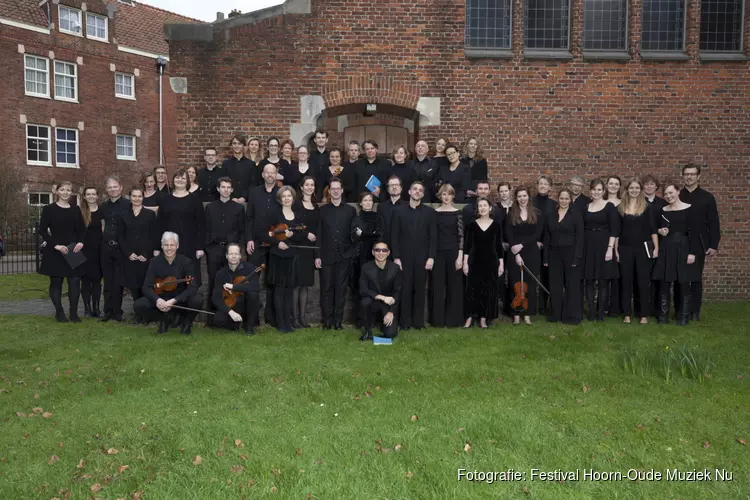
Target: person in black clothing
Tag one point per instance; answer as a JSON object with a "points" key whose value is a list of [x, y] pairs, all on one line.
{"points": [[254, 153], [367, 228], [347, 174], [294, 174], [272, 145], [247, 304], [545, 205], [469, 211], [601, 224], [287, 151], [613, 195], [447, 300], [61, 225], [370, 166], [352, 153], [650, 187], [679, 247], [524, 226], [709, 229], [455, 173], [183, 214], [387, 207], [158, 303], [580, 200], [225, 224], [380, 289], [283, 267], [414, 237], [209, 175], [192, 173], [91, 282], [502, 209], [310, 214], [261, 210], [138, 239], [563, 256], [474, 158], [334, 257], [162, 183], [400, 169], [440, 158], [319, 157], [426, 170], [240, 169], [151, 196], [112, 212], [637, 245]]}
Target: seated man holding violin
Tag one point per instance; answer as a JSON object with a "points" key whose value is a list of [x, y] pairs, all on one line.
{"points": [[235, 294], [169, 288]]}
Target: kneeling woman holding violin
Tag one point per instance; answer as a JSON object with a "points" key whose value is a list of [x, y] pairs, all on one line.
{"points": [[284, 238], [236, 292]]}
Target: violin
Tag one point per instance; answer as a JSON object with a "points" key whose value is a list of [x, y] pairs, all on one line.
{"points": [[279, 230], [520, 302], [169, 284], [230, 298]]}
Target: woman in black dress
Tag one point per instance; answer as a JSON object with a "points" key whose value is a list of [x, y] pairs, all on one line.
{"points": [[440, 159], [613, 195], [152, 197], [62, 229], [678, 246], [505, 201], [310, 215], [447, 281], [192, 178], [456, 174], [367, 228], [474, 158], [563, 256], [637, 245], [345, 173], [601, 224], [299, 170], [523, 227], [483, 265], [183, 214], [287, 150], [139, 239], [283, 266], [91, 282], [273, 147], [162, 183]]}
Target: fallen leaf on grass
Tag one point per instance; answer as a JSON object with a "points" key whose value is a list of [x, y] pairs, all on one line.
{"points": [[251, 482], [640, 427], [61, 444], [409, 474], [397, 447], [122, 468], [86, 476], [467, 448], [81, 464], [220, 453], [274, 489], [525, 489], [585, 389], [37, 410], [742, 441], [238, 443], [137, 495], [319, 461], [53, 459], [414, 418], [197, 460], [113, 451], [706, 444], [368, 394], [552, 337], [47, 414], [243, 458], [276, 472], [96, 488], [298, 452], [237, 469], [37, 369], [20, 414]]}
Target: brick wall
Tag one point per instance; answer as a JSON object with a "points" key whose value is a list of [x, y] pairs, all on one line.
{"points": [[531, 116]]}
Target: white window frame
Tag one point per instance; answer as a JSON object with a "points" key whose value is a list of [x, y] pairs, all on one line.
{"points": [[49, 145], [106, 27], [123, 157], [25, 81], [40, 193], [132, 86], [77, 151], [60, 9], [75, 81]]}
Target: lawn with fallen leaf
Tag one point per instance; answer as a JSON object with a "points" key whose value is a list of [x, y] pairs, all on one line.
{"points": [[113, 411]]}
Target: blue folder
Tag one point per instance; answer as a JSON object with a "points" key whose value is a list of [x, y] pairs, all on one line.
{"points": [[372, 183], [382, 341]]}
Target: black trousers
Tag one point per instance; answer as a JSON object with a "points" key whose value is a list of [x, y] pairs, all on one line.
{"points": [[635, 274], [247, 307], [113, 287], [74, 292], [447, 290], [215, 259], [613, 308], [91, 291], [565, 285], [282, 304], [372, 312], [147, 311], [413, 294], [696, 287], [261, 256], [542, 297], [334, 279], [600, 308]]}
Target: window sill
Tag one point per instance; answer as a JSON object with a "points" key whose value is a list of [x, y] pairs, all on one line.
{"points": [[722, 56], [606, 55], [664, 55], [547, 54], [41, 96], [71, 33], [125, 159], [103, 40], [38, 164], [129, 98], [65, 99], [477, 53], [66, 165]]}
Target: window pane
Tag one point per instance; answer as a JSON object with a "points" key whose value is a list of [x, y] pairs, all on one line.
{"points": [[663, 22], [70, 20], [721, 25], [65, 80], [36, 75], [547, 24], [493, 19], [605, 24]]}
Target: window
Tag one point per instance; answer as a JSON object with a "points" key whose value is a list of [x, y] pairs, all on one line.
{"points": [[605, 24], [66, 81], [66, 147], [96, 27], [488, 24], [37, 76], [40, 199], [663, 25], [70, 20], [547, 24], [721, 25], [124, 86], [37, 145], [125, 147]]}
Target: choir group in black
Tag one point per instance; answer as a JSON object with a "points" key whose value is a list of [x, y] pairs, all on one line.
{"points": [[290, 212]]}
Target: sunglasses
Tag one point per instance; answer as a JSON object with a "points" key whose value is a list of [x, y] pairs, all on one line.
{"points": [[380, 250]]}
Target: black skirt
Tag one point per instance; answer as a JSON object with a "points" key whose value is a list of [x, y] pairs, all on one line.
{"points": [[306, 274], [594, 252], [133, 273], [671, 265], [54, 264], [283, 271]]}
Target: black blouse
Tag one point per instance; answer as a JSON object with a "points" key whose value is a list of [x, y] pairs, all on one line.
{"points": [[293, 177], [138, 234], [299, 236], [637, 228], [567, 232], [184, 216], [607, 219], [61, 226], [450, 230], [525, 233], [348, 181], [459, 179]]}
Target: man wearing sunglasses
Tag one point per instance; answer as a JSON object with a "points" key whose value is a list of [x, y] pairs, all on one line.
{"points": [[380, 289]]}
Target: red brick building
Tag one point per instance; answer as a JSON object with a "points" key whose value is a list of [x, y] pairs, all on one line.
{"points": [[80, 93], [548, 86]]}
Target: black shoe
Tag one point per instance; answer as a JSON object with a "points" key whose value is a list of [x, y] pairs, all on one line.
{"points": [[302, 323], [285, 330], [249, 330], [163, 327], [119, 318], [87, 311], [326, 326], [95, 313], [338, 326], [60, 317], [136, 322], [74, 317], [695, 316], [106, 317], [366, 334], [186, 328]]}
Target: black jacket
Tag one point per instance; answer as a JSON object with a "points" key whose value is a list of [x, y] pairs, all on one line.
{"points": [[334, 233], [372, 282], [414, 233], [180, 268], [707, 223], [226, 275], [566, 233]]}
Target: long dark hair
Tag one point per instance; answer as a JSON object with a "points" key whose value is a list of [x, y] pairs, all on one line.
{"points": [[515, 209], [301, 195]]}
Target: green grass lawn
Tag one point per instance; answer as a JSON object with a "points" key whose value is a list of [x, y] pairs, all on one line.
{"points": [[24, 287], [320, 415]]}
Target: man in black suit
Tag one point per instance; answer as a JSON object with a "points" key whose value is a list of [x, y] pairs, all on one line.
{"points": [[246, 307], [334, 257], [380, 289], [580, 200]]}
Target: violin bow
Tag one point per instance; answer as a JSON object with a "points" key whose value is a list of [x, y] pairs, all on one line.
{"points": [[194, 310], [535, 279], [290, 246]]}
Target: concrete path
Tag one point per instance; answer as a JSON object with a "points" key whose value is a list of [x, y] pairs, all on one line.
{"points": [[43, 307]]}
